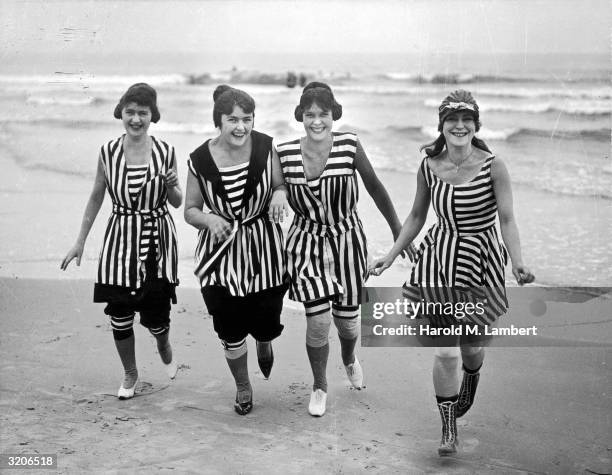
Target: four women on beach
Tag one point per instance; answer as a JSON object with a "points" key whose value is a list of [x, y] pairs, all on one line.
{"points": [[239, 188]]}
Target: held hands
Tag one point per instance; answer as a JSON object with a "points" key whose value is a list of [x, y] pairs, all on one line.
{"points": [[378, 266], [410, 252], [218, 227], [279, 208], [170, 179], [75, 252], [522, 274]]}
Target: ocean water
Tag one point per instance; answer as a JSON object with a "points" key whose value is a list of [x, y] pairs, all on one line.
{"points": [[548, 117]]}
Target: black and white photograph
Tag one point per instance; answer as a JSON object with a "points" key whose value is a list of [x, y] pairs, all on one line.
{"points": [[306, 236]]}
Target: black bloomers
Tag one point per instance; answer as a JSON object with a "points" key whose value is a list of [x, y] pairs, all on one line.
{"points": [[152, 301], [257, 314]]}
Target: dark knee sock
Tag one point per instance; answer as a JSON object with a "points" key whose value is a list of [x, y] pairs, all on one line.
{"points": [[127, 354], [347, 348], [240, 371], [264, 350], [318, 362]]}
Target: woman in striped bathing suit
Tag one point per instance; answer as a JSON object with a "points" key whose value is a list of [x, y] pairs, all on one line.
{"points": [[137, 270], [460, 254], [239, 256], [326, 245]]}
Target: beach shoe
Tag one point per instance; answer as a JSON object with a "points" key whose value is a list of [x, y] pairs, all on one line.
{"points": [[265, 362], [448, 444], [127, 393], [243, 408], [318, 399], [355, 374], [467, 393], [171, 368]]}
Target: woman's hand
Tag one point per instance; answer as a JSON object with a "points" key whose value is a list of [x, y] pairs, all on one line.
{"points": [[170, 179], [378, 266], [75, 251], [219, 228], [410, 252], [279, 207], [522, 274]]}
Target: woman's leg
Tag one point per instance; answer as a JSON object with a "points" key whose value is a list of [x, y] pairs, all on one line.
{"points": [[446, 385], [265, 357], [347, 323], [123, 334], [318, 322], [264, 324], [472, 356], [162, 337], [236, 355], [445, 376]]}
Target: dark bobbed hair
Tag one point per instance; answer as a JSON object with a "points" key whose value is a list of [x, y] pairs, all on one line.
{"points": [[320, 94], [226, 97], [460, 96], [143, 95]]}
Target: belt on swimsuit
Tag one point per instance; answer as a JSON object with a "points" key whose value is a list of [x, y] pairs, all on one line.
{"points": [[324, 230], [221, 248], [148, 224]]}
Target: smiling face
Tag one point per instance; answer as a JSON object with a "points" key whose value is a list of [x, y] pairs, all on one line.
{"points": [[459, 128], [136, 119], [318, 122], [236, 127]]}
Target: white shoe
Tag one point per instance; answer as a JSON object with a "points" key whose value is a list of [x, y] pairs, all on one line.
{"points": [[355, 374], [127, 393], [171, 368], [316, 407]]}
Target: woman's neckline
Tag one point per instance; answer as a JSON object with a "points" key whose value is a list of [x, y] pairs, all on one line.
{"points": [[148, 153], [210, 145], [304, 157], [467, 182]]}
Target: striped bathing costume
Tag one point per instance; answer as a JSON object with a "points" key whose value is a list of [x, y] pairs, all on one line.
{"points": [[251, 259], [242, 278], [326, 245], [140, 226], [462, 252]]}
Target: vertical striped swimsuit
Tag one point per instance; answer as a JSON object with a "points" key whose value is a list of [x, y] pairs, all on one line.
{"points": [[139, 220], [326, 245], [234, 181], [251, 259], [462, 251]]}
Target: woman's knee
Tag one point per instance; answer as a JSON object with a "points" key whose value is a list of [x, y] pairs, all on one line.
{"points": [[469, 350], [317, 330], [449, 353], [348, 328]]}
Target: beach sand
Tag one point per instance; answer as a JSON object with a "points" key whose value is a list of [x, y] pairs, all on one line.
{"points": [[538, 410]]}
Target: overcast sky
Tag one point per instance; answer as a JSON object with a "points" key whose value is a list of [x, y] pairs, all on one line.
{"points": [[488, 26]]}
